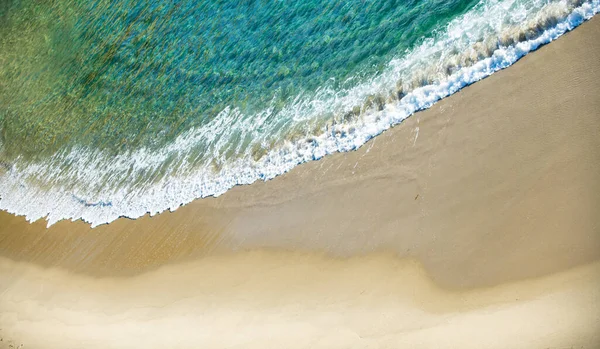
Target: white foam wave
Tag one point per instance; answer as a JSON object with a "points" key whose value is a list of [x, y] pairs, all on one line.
{"points": [[47, 190]]}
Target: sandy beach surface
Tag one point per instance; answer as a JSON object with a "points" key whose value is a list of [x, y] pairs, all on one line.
{"points": [[474, 224]]}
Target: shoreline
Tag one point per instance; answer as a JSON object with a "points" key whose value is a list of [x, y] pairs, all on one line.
{"points": [[402, 175], [55, 205], [471, 224]]}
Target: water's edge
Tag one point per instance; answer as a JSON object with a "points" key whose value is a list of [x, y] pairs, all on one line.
{"points": [[54, 206]]}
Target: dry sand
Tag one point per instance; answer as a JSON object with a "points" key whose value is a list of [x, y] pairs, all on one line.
{"points": [[288, 300], [473, 224]]}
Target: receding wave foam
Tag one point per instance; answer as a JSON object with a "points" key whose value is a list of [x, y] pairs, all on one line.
{"points": [[98, 188]]}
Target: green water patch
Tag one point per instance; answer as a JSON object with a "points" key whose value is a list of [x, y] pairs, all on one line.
{"points": [[118, 75]]}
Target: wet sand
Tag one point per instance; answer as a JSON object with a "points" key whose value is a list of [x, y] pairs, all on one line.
{"points": [[472, 224]]}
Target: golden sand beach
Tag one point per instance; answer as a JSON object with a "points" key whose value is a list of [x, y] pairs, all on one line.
{"points": [[473, 224]]}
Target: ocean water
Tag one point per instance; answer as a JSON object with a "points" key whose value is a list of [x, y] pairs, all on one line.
{"points": [[120, 108]]}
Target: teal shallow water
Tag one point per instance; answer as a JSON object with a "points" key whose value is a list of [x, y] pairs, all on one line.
{"points": [[123, 74], [118, 108]]}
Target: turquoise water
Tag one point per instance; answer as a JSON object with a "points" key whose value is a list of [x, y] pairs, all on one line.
{"points": [[112, 108], [139, 73]]}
